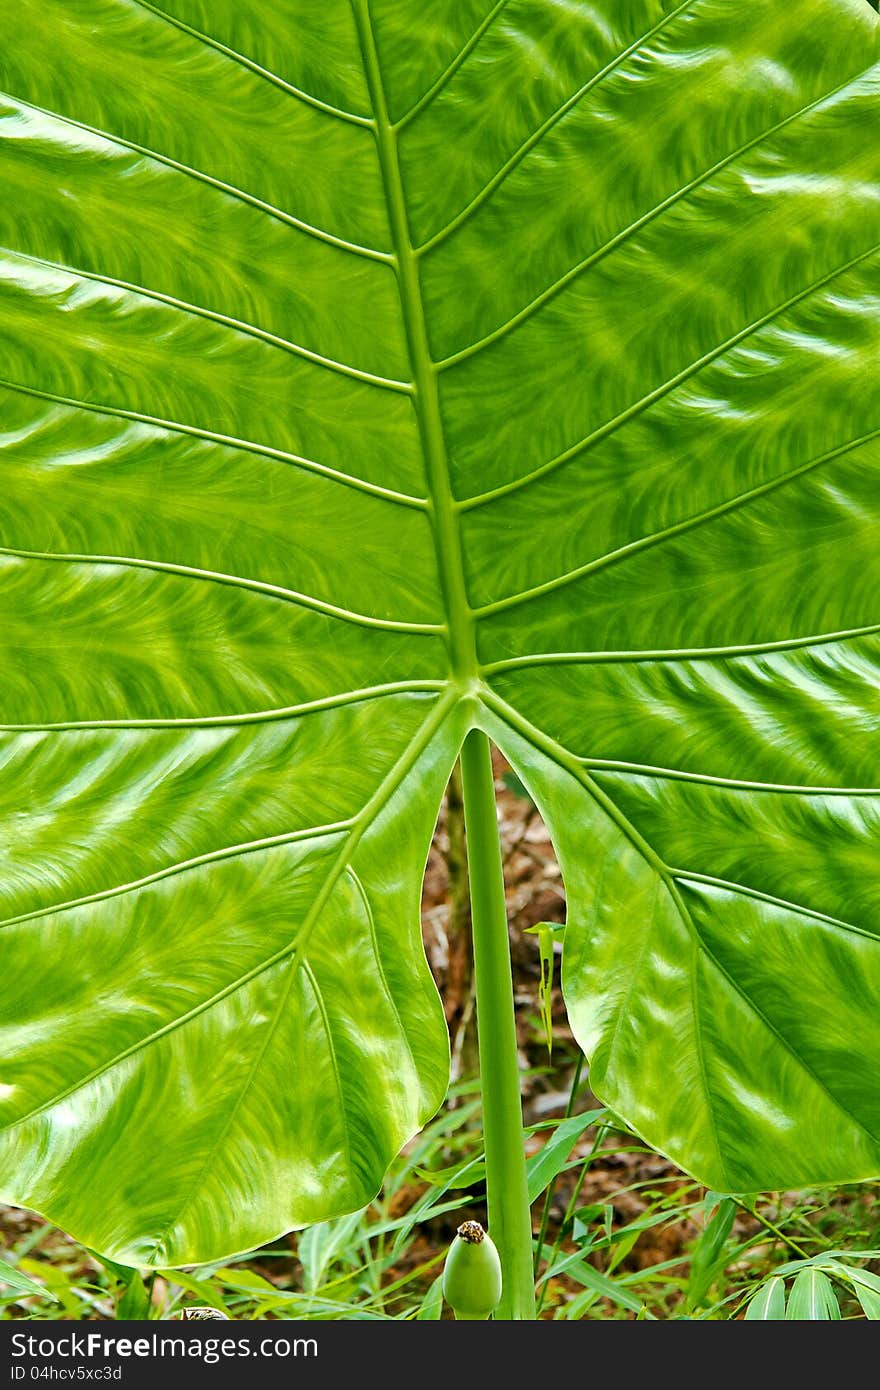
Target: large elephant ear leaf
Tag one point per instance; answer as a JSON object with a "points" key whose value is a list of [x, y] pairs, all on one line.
{"points": [[371, 372]]}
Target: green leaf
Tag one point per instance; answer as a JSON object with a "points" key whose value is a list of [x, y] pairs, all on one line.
{"points": [[865, 1285], [544, 1166], [578, 1268], [768, 1304], [870, 1302], [861, 1276], [431, 1306], [245, 1279], [323, 1244], [13, 1278], [709, 1255], [468, 1174], [812, 1298], [370, 372], [134, 1305], [541, 1167], [204, 1290]]}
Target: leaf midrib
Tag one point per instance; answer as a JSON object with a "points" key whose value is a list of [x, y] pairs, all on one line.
{"points": [[443, 510]]}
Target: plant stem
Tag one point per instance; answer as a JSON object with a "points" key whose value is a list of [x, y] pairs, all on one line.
{"points": [[506, 1185], [771, 1226]]}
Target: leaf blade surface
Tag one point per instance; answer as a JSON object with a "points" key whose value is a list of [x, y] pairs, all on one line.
{"points": [[354, 396]]}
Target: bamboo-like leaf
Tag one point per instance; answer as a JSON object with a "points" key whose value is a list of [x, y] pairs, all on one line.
{"points": [[870, 1302], [865, 1285], [371, 371], [862, 1276], [812, 1298], [768, 1304]]}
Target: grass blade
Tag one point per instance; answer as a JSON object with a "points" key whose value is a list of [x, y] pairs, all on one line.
{"points": [[15, 1279]]}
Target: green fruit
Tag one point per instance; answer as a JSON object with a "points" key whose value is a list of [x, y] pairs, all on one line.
{"points": [[472, 1273]]}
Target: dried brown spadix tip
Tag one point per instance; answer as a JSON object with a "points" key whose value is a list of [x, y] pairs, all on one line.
{"points": [[471, 1231]]}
